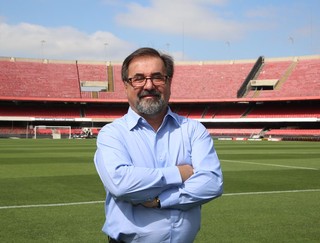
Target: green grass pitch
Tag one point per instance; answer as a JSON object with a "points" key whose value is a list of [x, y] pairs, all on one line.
{"points": [[272, 193]]}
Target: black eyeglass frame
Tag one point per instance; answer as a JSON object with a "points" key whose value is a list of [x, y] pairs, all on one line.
{"points": [[140, 81]]}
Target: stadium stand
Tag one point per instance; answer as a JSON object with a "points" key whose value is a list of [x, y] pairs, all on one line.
{"points": [[298, 78], [88, 74], [105, 111], [196, 112], [210, 112], [40, 110], [231, 111], [293, 132], [38, 78], [285, 110], [280, 97], [274, 69], [239, 132], [206, 81]]}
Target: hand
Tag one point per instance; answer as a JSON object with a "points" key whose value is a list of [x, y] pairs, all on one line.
{"points": [[151, 204], [186, 171]]}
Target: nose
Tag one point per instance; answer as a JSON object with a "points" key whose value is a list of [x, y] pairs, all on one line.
{"points": [[149, 84]]}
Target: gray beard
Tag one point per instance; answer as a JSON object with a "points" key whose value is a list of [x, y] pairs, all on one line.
{"points": [[150, 107]]}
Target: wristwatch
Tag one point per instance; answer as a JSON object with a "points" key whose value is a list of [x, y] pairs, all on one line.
{"points": [[158, 202]]}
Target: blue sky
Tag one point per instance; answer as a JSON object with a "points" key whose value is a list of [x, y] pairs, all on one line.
{"points": [[190, 30]]}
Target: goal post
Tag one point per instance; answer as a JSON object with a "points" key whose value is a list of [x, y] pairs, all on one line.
{"points": [[53, 132]]}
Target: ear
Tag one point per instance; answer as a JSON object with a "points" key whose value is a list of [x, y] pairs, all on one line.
{"points": [[126, 87]]}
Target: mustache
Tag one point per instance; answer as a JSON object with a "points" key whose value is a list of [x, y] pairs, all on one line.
{"points": [[149, 92]]}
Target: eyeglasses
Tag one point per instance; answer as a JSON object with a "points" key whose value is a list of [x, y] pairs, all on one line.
{"points": [[140, 80]]}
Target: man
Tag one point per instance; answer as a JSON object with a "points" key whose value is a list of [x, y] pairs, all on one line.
{"points": [[157, 167]]}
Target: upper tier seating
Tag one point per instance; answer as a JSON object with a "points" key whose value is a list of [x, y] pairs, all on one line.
{"points": [[90, 72], [201, 82], [119, 90], [302, 81], [274, 69], [208, 81], [38, 79], [118, 94]]}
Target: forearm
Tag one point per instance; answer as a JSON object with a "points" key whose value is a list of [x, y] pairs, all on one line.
{"points": [[199, 189], [134, 184], [186, 171]]}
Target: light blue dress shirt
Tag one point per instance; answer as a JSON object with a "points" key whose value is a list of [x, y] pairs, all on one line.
{"points": [[136, 164]]}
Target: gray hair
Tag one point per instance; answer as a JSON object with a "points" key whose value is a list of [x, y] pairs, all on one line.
{"points": [[147, 51]]}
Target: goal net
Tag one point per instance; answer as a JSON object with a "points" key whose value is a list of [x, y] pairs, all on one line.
{"points": [[53, 132]]}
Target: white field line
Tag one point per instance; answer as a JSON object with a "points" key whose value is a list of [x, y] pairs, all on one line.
{"points": [[97, 202], [269, 192], [274, 165], [50, 205]]}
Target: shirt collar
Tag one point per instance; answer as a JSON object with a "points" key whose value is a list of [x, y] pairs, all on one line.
{"points": [[133, 118]]}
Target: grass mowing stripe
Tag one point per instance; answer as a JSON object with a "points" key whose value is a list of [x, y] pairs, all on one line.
{"points": [[260, 202], [275, 165], [95, 202]]}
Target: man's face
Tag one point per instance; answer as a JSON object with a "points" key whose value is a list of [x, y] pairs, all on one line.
{"points": [[148, 99]]}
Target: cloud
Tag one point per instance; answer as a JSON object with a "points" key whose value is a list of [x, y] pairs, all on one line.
{"points": [[201, 19], [36, 41], [268, 12]]}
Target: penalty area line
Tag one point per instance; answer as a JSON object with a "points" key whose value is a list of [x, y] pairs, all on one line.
{"points": [[97, 202]]}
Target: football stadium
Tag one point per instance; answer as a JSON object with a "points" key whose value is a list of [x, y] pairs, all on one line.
{"points": [[236, 99], [263, 115]]}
